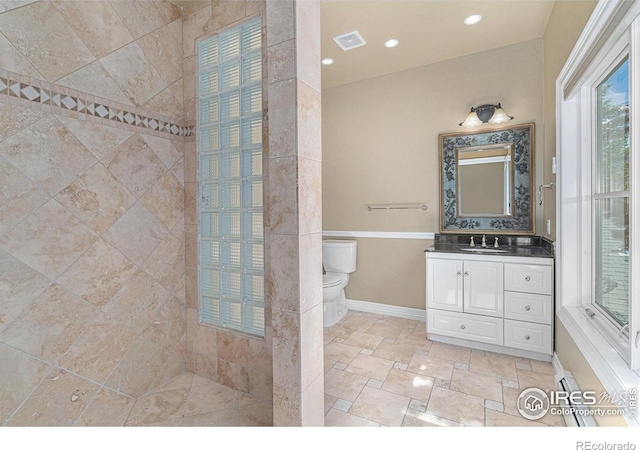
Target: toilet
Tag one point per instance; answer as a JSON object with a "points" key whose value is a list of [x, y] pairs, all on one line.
{"points": [[338, 261]]}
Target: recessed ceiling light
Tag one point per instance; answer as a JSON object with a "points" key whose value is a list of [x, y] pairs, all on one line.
{"points": [[391, 43], [472, 20], [327, 61]]}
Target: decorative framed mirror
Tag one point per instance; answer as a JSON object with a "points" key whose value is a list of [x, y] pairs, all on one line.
{"points": [[487, 180]]}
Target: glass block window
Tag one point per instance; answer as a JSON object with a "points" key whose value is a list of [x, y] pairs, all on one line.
{"points": [[230, 156]]}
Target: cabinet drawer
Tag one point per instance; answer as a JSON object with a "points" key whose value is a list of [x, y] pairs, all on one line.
{"points": [[528, 336], [528, 278], [465, 326], [528, 307]]}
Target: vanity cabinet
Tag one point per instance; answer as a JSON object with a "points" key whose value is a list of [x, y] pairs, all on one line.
{"points": [[493, 302], [465, 286]]}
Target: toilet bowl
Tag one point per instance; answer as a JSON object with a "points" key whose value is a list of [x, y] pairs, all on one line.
{"points": [[338, 260]]}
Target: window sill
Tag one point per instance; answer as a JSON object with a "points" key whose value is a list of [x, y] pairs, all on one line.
{"points": [[610, 368]]}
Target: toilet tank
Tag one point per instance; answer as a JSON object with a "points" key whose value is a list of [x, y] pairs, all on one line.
{"points": [[339, 255]]}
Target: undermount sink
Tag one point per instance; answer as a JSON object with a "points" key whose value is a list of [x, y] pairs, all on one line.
{"points": [[483, 250]]}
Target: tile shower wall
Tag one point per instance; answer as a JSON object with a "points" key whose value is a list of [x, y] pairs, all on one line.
{"points": [[92, 242], [238, 361]]}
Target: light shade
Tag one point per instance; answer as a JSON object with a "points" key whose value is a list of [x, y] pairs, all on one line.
{"points": [[327, 61], [499, 116], [472, 120]]}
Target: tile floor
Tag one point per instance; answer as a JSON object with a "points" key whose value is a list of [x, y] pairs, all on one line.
{"points": [[382, 371], [379, 371]]}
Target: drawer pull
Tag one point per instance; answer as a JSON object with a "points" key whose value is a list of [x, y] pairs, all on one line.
{"points": [[527, 308], [527, 278], [462, 327], [527, 337]]}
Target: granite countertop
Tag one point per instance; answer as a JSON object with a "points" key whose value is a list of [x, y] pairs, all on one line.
{"points": [[525, 246], [528, 251]]}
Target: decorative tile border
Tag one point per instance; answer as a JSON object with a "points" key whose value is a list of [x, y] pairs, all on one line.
{"points": [[57, 99]]}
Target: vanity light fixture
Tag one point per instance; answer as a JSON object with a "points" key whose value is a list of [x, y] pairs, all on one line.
{"points": [[391, 43], [327, 61], [493, 114]]}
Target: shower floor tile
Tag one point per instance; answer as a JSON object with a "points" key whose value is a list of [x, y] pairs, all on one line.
{"points": [[191, 400]]}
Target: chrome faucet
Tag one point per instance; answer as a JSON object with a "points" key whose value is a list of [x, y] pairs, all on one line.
{"points": [[472, 244], [484, 241]]}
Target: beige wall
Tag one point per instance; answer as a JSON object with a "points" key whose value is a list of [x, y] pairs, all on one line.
{"points": [[380, 145], [565, 25], [566, 22], [92, 304]]}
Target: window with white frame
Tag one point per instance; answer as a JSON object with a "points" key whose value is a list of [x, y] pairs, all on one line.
{"points": [[598, 209], [231, 265]]}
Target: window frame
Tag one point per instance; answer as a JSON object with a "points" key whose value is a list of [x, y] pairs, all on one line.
{"points": [[602, 41]]}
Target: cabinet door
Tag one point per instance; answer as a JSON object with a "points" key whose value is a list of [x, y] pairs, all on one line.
{"points": [[444, 284], [483, 288]]}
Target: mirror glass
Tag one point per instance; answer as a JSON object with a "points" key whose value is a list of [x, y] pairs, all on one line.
{"points": [[486, 181]]}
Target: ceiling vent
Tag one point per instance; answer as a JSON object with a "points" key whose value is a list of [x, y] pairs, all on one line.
{"points": [[349, 41]]}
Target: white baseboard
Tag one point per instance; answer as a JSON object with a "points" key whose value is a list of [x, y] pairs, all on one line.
{"points": [[387, 310]]}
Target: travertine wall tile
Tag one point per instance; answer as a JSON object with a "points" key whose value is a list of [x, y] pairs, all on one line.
{"points": [[39, 243], [136, 166], [20, 285], [12, 60], [99, 27], [133, 72], [140, 17], [165, 200], [97, 363], [136, 234], [194, 26], [43, 37], [18, 198], [97, 198], [92, 260], [98, 274], [48, 327], [283, 276], [131, 375], [164, 52], [232, 347], [48, 154], [94, 79], [226, 12]]}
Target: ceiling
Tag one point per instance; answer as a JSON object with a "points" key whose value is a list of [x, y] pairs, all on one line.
{"points": [[428, 30]]}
